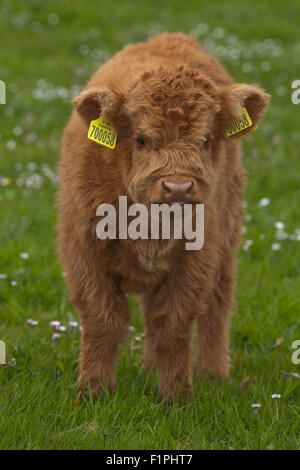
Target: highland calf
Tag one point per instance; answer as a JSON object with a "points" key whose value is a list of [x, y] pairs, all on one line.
{"points": [[170, 106]]}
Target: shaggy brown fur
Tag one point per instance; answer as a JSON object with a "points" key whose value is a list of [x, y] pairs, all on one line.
{"points": [[174, 96]]}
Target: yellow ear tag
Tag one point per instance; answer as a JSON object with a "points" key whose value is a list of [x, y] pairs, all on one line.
{"points": [[240, 125], [102, 132]]}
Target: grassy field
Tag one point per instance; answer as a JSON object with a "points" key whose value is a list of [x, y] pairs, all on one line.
{"points": [[48, 51]]}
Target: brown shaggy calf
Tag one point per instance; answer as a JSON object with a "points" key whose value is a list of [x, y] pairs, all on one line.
{"points": [[171, 105]]}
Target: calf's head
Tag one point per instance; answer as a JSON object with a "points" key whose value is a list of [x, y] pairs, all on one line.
{"points": [[171, 130]]}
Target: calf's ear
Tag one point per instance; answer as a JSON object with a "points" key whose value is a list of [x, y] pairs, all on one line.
{"points": [[236, 97], [93, 102]]}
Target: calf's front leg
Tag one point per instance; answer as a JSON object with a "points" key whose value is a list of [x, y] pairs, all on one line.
{"points": [[213, 332], [105, 324]]}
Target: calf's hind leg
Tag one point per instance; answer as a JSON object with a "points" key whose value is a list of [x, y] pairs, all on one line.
{"points": [[168, 345]]}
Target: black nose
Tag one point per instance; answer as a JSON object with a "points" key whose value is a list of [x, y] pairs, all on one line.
{"points": [[177, 191]]}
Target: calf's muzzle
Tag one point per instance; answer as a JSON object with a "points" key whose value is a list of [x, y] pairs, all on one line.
{"points": [[177, 191]]}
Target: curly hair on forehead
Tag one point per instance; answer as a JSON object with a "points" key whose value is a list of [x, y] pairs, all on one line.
{"points": [[180, 77], [174, 81], [176, 94]]}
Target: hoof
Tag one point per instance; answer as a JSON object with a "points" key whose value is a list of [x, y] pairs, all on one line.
{"points": [[181, 395], [92, 388]]}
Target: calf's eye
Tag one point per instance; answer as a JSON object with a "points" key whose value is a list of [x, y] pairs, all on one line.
{"points": [[207, 140], [140, 141]]}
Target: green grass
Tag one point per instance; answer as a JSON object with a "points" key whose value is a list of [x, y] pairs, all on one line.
{"points": [[37, 387]]}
